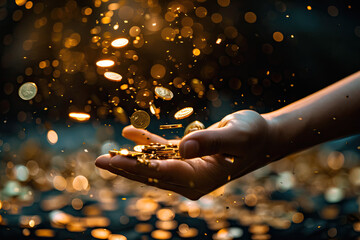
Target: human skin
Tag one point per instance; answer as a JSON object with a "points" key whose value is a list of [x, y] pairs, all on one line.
{"points": [[244, 141]]}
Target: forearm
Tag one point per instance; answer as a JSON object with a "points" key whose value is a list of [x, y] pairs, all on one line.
{"points": [[330, 113]]}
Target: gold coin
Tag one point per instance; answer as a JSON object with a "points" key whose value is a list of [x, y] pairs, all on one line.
{"points": [[140, 119], [164, 93], [194, 126], [139, 148], [28, 90], [171, 126], [184, 113], [105, 63], [120, 42], [152, 108], [125, 153], [113, 76], [78, 116]]}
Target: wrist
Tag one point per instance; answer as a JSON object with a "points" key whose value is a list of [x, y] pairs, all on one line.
{"points": [[276, 142]]}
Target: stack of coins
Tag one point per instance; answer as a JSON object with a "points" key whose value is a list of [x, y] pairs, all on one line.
{"points": [[154, 151]]}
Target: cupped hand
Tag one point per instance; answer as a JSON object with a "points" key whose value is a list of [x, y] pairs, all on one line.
{"points": [[231, 148]]}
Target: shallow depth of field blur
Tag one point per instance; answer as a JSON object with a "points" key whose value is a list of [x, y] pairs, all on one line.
{"points": [[72, 72]]}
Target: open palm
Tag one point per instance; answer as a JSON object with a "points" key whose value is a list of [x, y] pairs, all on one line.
{"points": [[225, 151]]}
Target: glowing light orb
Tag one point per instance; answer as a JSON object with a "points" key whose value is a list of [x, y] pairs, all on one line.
{"points": [[52, 137]]}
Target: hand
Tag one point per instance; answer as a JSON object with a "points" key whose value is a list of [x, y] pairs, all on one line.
{"points": [[229, 149]]}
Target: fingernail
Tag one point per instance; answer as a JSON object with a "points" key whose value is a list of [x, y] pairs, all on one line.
{"points": [[191, 149]]}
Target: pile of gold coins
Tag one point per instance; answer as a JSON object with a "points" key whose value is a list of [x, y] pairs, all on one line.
{"points": [[144, 153]]}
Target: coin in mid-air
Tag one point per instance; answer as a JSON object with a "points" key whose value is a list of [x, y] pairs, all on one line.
{"points": [[155, 111], [194, 126], [28, 90], [184, 113], [164, 93], [140, 119], [170, 126], [120, 42], [113, 76]]}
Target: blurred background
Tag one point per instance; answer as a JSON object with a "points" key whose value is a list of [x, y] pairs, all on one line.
{"points": [[62, 105]]}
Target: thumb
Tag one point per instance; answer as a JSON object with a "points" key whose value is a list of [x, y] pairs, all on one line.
{"points": [[209, 142]]}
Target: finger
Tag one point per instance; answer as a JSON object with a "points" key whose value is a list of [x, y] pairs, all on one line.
{"points": [[163, 170], [212, 141], [214, 126], [104, 162], [142, 136]]}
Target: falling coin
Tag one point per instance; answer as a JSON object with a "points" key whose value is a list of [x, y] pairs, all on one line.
{"points": [[164, 93], [120, 42], [184, 113], [28, 90], [155, 111], [78, 116], [113, 76], [171, 126], [105, 63], [194, 126], [140, 119]]}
